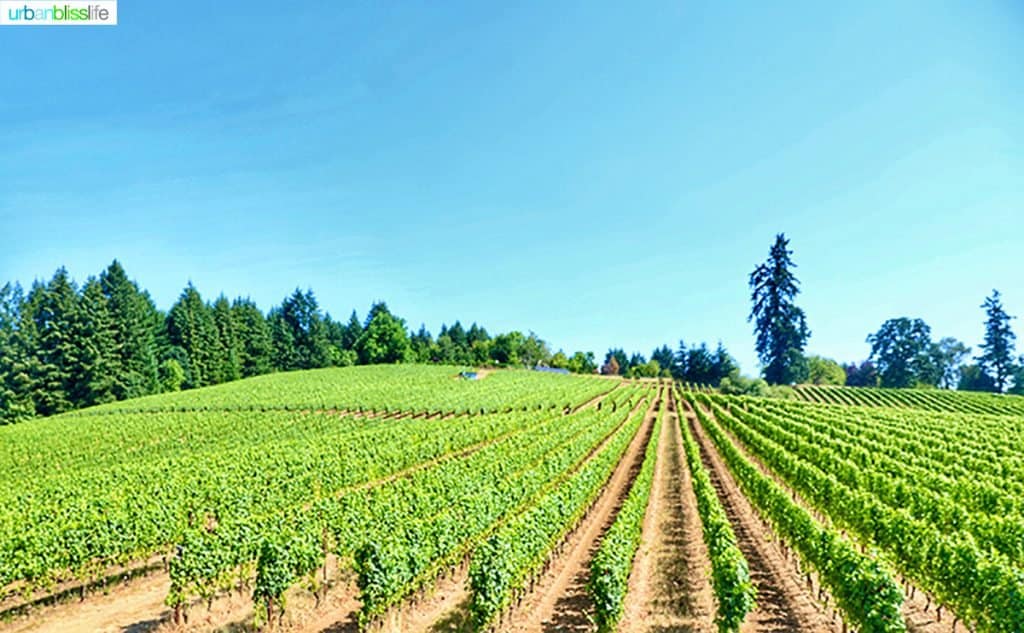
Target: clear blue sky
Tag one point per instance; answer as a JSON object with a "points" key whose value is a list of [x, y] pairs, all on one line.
{"points": [[599, 172]]}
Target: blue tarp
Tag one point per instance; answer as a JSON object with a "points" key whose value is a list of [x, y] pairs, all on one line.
{"points": [[551, 370]]}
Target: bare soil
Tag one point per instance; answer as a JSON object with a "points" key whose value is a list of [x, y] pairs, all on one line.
{"points": [[919, 611], [669, 587], [784, 603], [559, 601]]}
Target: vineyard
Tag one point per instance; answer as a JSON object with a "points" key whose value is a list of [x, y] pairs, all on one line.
{"points": [[407, 498], [927, 399]]}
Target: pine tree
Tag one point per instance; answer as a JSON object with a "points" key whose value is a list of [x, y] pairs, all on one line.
{"points": [[256, 346], [190, 327], [353, 330], [723, 364], [997, 357], [16, 402], [54, 307], [286, 356], [135, 323], [679, 366], [98, 359], [780, 325], [226, 362], [460, 351], [422, 343], [301, 314], [477, 334]]}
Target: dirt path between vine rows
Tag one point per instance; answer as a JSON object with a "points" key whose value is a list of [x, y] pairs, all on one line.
{"points": [[918, 610], [443, 606], [670, 587], [138, 605], [783, 601], [559, 601]]}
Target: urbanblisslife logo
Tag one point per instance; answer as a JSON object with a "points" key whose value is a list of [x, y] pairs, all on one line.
{"points": [[58, 13]]}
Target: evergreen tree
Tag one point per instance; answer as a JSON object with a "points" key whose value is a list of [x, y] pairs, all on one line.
{"points": [[16, 402], [460, 345], [448, 353], [135, 323], [301, 313], [974, 378], [700, 365], [780, 325], [723, 365], [227, 366], [54, 310], [286, 357], [353, 330], [255, 343], [190, 327], [666, 359], [621, 360], [422, 345], [1018, 379], [997, 350], [477, 334], [679, 369], [384, 339], [334, 334], [98, 358]]}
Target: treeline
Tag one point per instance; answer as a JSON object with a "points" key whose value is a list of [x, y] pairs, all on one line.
{"points": [[903, 353], [696, 364], [64, 347]]}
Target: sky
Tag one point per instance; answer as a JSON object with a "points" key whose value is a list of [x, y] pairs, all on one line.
{"points": [[602, 173]]}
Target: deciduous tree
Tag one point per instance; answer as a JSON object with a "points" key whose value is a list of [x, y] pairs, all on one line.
{"points": [[901, 349], [824, 371]]}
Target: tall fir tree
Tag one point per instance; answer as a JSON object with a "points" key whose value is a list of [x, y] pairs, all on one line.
{"points": [[780, 325], [98, 358], [353, 330], [16, 402], [476, 334], [286, 357], [301, 314], [255, 344], [190, 327], [227, 365], [664, 356], [422, 345], [135, 326], [997, 358], [54, 310]]}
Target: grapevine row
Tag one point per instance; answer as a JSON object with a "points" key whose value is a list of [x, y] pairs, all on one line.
{"points": [[610, 567], [730, 577], [503, 565], [982, 588], [863, 590]]}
